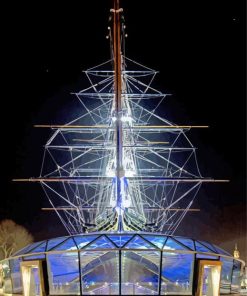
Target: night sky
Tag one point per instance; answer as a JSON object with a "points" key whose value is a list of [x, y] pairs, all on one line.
{"points": [[199, 49]]}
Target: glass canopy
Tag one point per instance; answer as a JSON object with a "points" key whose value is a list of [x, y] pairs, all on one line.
{"points": [[115, 263]]}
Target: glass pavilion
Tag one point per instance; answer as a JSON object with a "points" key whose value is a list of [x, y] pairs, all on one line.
{"points": [[111, 263]]}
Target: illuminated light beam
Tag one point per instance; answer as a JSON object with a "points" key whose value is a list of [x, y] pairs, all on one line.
{"points": [[95, 208], [102, 179]]}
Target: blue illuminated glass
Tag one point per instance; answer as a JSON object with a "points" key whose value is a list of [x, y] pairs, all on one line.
{"points": [[28, 248], [177, 270], [236, 277], [226, 274], [6, 274], [67, 245], [120, 240], [101, 243], [54, 242], [23, 251], [201, 248], [221, 251], [172, 245], [16, 275], [208, 245], [156, 240], [138, 243], [140, 272], [82, 241], [187, 242], [100, 272], [40, 248], [63, 273]]}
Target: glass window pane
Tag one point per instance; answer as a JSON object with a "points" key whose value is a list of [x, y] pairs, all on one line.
{"points": [[7, 288], [221, 251], [40, 248], [138, 243], [186, 241], [23, 250], [100, 272], [120, 240], [226, 274], [16, 275], [63, 273], [156, 240], [35, 280], [172, 245], [140, 272], [82, 241], [236, 277], [101, 243], [67, 245], [54, 242], [28, 248], [177, 274], [208, 245], [201, 248]]}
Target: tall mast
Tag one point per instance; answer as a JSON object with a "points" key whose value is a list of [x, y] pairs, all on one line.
{"points": [[118, 104], [128, 168]]}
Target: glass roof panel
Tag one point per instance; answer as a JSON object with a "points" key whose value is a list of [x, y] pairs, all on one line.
{"points": [[67, 245], [40, 248], [201, 248], [28, 248], [101, 243], [156, 240], [23, 250], [138, 243], [208, 245], [186, 241], [120, 240], [54, 242], [82, 241], [173, 245], [221, 251]]}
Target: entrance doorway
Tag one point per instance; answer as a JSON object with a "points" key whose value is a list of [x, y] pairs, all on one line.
{"points": [[208, 282], [32, 278]]}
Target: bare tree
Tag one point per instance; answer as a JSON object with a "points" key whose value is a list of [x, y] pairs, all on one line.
{"points": [[13, 237]]}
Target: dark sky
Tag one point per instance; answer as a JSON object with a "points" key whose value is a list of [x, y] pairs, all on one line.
{"points": [[199, 49]]}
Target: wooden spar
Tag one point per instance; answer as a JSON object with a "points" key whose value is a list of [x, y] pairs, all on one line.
{"points": [[103, 142], [95, 208], [103, 179], [117, 57], [172, 126], [107, 127]]}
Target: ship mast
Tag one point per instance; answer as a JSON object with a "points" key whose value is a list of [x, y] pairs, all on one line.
{"points": [[114, 174], [118, 105]]}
